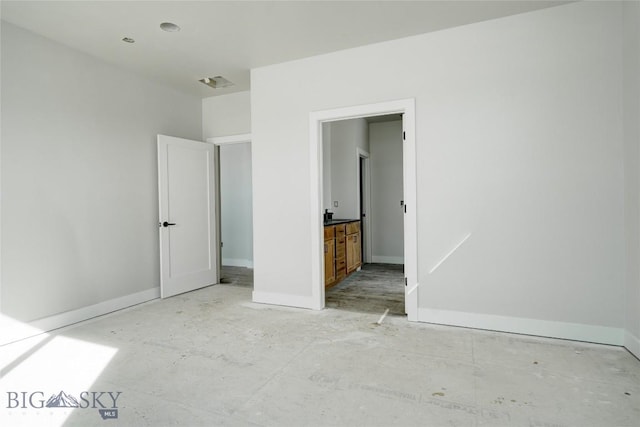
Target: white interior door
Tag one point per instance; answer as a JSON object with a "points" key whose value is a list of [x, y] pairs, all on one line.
{"points": [[186, 175]]}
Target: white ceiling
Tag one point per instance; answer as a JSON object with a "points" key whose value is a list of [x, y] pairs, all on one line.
{"points": [[229, 38]]}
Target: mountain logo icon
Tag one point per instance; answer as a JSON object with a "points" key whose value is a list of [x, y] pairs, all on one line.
{"points": [[62, 400]]}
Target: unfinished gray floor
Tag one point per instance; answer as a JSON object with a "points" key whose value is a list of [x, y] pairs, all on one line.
{"points": [[373, 289], [211, 357], [238, 276]]}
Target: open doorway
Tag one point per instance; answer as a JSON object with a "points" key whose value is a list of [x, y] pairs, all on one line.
{"points": [[318, 125], [234, 209], [364, 197], [377, 285]]}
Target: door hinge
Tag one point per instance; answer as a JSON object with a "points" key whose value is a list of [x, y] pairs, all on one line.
{"points": [[404, 135], [405, 208], [221, 244], [405, 281]]}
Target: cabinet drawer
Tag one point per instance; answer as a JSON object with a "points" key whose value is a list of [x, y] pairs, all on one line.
{"points": [[341, 264], [340, 230], [329, 233], [340, 251], [353, 227]]}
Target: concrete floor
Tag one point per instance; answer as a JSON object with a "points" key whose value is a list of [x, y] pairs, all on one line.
{"points": [[211, 357]]}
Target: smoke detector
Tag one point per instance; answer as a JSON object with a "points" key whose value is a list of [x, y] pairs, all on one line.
{"points": [[216, 82]]}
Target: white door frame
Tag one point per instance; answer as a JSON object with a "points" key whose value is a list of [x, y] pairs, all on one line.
{"points": [[366, 189], [218, 141], [407, 108], [230, 139]]}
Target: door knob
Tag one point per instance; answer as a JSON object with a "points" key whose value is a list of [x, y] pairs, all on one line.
{"points": [[166, 224]]}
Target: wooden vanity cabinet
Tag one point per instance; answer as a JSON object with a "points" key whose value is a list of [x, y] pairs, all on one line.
{"points": [[329, 256], [341, 251], [353, 247]]}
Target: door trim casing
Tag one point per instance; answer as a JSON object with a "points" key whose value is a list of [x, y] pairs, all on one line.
{"points": [[366, 189], [218, 141], [407, 108], [230, 139]]}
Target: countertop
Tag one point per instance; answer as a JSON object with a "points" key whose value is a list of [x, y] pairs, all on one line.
{"points": [[339, 221]]}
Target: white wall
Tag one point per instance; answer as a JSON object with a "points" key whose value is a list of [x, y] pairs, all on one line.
{"points": [[387, 216], [79, 177], [236, 207], [519, 143], [345, 137], [226, 115], [631, 82]]}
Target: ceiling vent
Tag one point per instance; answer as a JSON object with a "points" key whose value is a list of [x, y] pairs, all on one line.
{"points": [[169, 27], [216, 82]]}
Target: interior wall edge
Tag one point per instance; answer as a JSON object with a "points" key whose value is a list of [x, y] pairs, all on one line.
{"points": [[542, 328], [46, 324], [382, 259], [632, 343], [235, 262], [286, 300]]}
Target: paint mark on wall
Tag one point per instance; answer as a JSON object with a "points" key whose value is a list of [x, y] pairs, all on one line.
{"points": [[449, 254]]}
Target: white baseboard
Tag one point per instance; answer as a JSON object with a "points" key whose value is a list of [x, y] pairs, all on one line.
{"points": [[544, 328], [285, 299], [632, 343], [12, 330], [387, 259], [234, 262]]}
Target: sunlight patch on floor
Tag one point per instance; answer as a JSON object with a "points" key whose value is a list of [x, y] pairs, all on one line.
{"points": [[13, 330], [50, 369]]}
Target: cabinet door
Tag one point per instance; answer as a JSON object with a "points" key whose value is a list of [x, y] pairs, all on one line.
{"points": [[353, 252], [329, 262], [353, 227], [357, 252], [341, 257]]}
